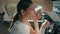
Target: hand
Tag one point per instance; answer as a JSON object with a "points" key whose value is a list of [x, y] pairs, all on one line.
{"points": [[36, 24], [36, 17], [46, 24]]}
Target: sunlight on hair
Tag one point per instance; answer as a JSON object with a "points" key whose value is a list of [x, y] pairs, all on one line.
{"points": [[37, 7]]}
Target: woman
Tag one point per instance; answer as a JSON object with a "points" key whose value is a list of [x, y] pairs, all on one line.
{"points": [[25, 11]]}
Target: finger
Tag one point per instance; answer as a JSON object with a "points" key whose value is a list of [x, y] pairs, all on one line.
{"points": [[46, 23]]}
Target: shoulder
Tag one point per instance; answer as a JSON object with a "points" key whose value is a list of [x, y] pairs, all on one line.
{"points": [[20, 28], [20, 25]]}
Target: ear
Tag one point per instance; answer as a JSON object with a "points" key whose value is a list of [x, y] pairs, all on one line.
{"points": [[22, 12]]}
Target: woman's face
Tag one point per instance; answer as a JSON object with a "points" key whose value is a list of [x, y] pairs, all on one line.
{"points": [[30, 12]]}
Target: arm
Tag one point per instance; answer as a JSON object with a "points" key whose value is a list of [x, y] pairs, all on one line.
{"points": [[32, 31], [36, 27], [36, 23], [45, 25]]}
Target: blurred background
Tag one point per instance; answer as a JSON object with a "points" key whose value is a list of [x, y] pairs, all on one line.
{"points": [[50, 11]]}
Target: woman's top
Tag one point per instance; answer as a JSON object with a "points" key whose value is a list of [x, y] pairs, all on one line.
{"points": [[20, 28]]}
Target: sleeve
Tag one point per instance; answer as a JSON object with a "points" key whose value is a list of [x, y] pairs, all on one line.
{"points": [[21, 29]]}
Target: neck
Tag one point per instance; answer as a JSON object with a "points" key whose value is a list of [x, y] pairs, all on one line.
{"points": [[23, 19]]}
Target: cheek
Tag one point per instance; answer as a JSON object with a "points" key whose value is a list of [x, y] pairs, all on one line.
{"points": [[31, 14], [26, 14]]}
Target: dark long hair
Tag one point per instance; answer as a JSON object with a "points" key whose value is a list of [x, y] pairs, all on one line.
{"points": [[23, 4]]}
